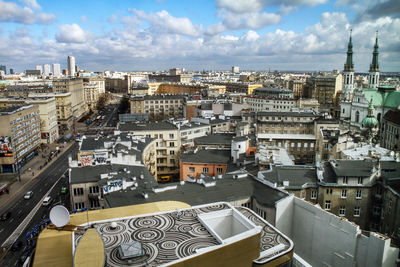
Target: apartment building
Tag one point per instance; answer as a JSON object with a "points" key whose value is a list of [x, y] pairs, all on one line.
{"points": [[261, 103], [291, 130], [65, 118], [280, 93], [297, 87], [327, 88], [158, 107], [178, 78], [203, 162], [390, 132], [47, 113], [20, 136], [246, 88], [168, 144], [76, 88]]}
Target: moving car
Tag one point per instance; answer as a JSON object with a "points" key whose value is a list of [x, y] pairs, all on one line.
{"points": [[47, 201], [16, 246], [5, 215], [28, 195]]}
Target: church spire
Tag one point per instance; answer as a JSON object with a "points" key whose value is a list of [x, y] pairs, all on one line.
{"points": [[349, 66], [373, 77], [374, 67]]}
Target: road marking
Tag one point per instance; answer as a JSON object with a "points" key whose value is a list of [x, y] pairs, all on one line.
{"points": [[15, 264], [1, 230], [12, 219], [19, 211]]}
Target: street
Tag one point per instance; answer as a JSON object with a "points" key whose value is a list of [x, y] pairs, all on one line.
{"points": [[21, 208]]}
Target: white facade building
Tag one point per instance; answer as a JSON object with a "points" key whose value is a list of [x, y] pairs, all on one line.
{"points": [[71, 66]]}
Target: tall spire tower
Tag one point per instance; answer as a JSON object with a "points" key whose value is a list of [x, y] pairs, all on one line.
{"points": [[373, 78], [348, 72]]}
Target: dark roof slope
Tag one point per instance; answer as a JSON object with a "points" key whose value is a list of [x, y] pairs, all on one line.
{"points": [[393, 116], [207, 156], [215, 139]]}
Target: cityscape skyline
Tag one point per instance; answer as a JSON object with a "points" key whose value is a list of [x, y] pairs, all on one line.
{"points": [[158, 35]]}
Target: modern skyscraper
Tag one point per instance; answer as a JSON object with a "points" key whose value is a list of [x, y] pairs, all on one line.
{"points": [[3, 68], [56, 70], [373, 77], [39, 67], [348, 73], [46, 69], [11, 71], [71, 66]]}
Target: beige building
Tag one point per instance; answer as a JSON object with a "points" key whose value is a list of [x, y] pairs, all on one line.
{"points": [[291, 130], [76, 88], [91, 93], [168, 144], [297, 86], [246, 88], [158, 106], [64, 111], [20, 136], [327, 88], [47, 113], [260, 103]]}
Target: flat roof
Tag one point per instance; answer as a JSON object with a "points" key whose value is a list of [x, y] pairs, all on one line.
{"points": [[152, 126], [286, 136]]}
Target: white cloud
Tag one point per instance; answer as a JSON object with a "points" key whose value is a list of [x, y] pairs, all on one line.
{"points": [[241, 6], [11, 12], [31, 3], [215, 29], [83, 18], [112, 18], [163, 22], [253, 20], [250, 36], [46, 18], [70, 34]]}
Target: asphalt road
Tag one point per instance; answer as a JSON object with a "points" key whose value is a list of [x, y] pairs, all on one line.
{"points": [[21, 207]]}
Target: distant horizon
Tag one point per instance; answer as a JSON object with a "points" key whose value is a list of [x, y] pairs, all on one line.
{"points": [[200, 34]]}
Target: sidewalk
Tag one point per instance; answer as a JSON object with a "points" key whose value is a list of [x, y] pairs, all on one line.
{"points": [[33, 168]]}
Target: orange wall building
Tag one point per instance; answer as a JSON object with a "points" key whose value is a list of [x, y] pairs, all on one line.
{"points": [[208, 162]]}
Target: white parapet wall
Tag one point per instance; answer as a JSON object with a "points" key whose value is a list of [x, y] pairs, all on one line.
{"points": [[324, 239]]}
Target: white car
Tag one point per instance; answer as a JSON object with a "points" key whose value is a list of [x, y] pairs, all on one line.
{"points": [[28, 195]]}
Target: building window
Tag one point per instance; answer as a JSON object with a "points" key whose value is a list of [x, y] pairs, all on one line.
{"points": [[171, 144], [357, 116], [345, 179], [79, 205], [94, 189], [219, 170], [191, 169], [314, 194], [205, 170], [342, 211], [359, 194], [360, 180], [171, 136], [78, 191], [327, 205], [172, 161], [357, 211], [344, 193]]}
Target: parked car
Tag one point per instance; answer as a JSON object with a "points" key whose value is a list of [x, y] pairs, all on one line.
{"points": [[5, 215], [16, 246], [28, 195]]}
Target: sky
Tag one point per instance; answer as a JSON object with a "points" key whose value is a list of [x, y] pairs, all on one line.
{"points": [[149, 35]]}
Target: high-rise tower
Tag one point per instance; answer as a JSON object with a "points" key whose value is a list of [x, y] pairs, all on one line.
{"points": [[348, 73], [71, 66], [373, 77], [56, 70]]}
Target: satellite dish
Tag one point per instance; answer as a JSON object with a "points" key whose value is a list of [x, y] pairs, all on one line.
{"points": [[59, 216]]}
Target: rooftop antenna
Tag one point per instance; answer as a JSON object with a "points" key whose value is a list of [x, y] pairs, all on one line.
{"points": [[59, 216]]}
